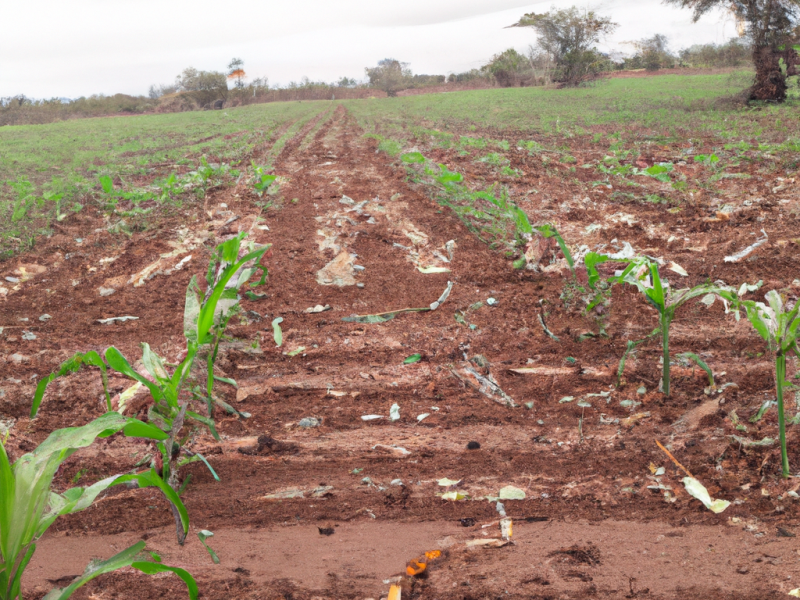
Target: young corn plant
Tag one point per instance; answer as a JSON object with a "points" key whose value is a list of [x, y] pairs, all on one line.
{"points": [[29, 506], [172, 394], [779, 324], [500, 210], [261, 180], [643, 274]]}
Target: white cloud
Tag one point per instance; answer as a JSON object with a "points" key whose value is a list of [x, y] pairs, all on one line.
{"points": [[51, 48]]}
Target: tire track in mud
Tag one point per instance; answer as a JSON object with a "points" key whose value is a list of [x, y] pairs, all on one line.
{"points": [[377, 481]]}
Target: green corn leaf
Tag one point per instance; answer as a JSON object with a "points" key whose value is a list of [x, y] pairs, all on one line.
{"points": [[700, 363], [548, 231], [412, 359], [253, 296], [152, 479], [151, 568], [119, 363], [191, 310], [207, 421], [227, 253], [762, 411], [591, 260], [154, 365], [412, 157], [106, 183], [756, 318], [208, 465], [631, 346], [134, 557], [227, 380], [71, 365], [144, 430]]}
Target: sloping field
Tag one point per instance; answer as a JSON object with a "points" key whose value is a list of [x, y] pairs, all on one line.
{"points": [[515, 388]]}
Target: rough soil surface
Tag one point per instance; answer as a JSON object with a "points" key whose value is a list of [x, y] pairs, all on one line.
{"points": [[350, 232]]}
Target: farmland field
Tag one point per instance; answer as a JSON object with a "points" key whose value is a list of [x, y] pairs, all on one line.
{"points": [[506, 388]]}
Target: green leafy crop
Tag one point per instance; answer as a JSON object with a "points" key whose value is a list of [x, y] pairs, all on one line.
{"points": [[778, 324], [642, 273], [205, 320], [30, 506]]}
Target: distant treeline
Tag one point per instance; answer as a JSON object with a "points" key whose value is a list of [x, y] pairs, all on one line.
{"points": [[207, 90]]}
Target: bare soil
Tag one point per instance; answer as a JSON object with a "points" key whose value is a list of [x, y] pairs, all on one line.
{"points": [[589, 526]]}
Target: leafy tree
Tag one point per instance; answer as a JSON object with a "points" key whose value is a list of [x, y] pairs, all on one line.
{"points": [[509, 68], [772, 27], [346, 82], [236, 72], [569, 37], [203, 86], [390, 75], [652, 53], [734, 53]]}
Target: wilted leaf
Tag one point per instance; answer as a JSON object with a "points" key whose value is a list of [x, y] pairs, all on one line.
{"points": [[445, 482], [511, 493], [698, 490], [454, 496], [277, 332]]}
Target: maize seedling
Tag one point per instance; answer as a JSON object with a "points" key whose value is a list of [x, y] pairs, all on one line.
{"points": [[778, 324], [642, 273], [204, 324]]}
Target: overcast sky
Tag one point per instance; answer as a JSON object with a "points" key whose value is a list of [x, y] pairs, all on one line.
{"points": [[77, 48]]}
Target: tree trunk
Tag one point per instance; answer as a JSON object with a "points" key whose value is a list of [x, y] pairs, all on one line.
{"points": [[770, 83]]}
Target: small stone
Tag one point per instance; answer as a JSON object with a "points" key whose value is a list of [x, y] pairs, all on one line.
{"points": [[491, 302], [309, 422], [12, 279], [28, 336], [473, 446], [467, 522], [104, 291], [360, 285], [45, 317], [326, 530], [17, 358]]}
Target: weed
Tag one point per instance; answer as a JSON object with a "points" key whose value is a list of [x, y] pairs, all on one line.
{"points": [[493, 158]]}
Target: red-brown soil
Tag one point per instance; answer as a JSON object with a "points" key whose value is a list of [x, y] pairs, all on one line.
{"points": [[589, 526]]}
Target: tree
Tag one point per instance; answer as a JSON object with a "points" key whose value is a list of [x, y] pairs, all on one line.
{"points": [[236, 72], [772, 27], [510, 68], [651, 53], [569, 37], [203, 86], [734, 53], [390, 75]]}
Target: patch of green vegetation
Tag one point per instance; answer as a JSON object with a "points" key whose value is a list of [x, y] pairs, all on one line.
{"points": [[47, 171], [673, 105], [494, 158]]}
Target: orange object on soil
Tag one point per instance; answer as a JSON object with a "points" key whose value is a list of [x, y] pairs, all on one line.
{"points": [[417, 565]]}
